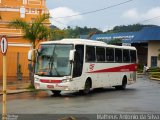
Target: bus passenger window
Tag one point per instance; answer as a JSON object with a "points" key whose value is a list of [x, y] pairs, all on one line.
{"points": [[126, 57], [90, 54], [133, 55], [100, 54], [118, 55], [109, 54]]}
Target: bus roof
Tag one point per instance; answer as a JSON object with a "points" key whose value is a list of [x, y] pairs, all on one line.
{"points": [[86, 42]]}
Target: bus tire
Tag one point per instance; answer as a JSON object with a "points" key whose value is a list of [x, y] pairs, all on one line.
{"points": [[87, 87], [56, 92], [123, 86]]}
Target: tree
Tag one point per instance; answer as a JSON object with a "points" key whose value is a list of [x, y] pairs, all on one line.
{"points": [[35, 31], [128, 28], [57, 34]]}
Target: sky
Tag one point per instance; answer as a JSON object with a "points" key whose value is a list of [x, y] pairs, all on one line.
{"points": [[110, 13]]}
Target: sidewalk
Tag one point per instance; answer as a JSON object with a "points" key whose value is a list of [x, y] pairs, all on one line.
{"points": [[16, 87]]}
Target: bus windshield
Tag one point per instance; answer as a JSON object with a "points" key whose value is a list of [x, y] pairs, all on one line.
{"points": [[53, 60]]}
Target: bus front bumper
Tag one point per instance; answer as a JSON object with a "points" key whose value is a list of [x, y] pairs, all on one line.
{"points": [[67, 86]]}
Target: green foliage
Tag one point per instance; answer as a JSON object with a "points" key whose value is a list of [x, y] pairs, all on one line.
{"points": [[57, 34], [140, 68], [154, 70], [128, 28], [34, 31], [155, 75], [115, 41], [31, 87], [69, 32], [159, 55], [19, 71]]}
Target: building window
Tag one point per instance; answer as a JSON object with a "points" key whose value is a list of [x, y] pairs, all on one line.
{"points": [[27, 10], [154, 61], [32, 10], [39, 11], [35, 2], [22, 12]]}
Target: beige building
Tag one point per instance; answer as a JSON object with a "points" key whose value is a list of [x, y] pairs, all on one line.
{"points": [[153, 51], [149, 39]]}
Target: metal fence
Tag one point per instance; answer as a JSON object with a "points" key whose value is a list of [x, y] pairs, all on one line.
{"points": [[16, 63]]}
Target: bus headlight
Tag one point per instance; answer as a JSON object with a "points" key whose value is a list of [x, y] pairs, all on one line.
{"points": [[66, 80], [36, 79]]}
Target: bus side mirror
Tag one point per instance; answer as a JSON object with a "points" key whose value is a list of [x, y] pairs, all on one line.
{"points": [[31, 53], [71, 55]]}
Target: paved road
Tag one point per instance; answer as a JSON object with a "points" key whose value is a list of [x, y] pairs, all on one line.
{"points": [[142, 97]]}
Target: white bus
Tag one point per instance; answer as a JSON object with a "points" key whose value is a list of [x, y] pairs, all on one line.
{"points": [[80, 65]]}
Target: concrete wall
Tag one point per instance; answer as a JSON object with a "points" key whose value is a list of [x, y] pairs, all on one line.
{"points": [[153, 47]]}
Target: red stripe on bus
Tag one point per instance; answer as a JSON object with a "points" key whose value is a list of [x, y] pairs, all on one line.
{"points": [[50, 81], [125, 68]]}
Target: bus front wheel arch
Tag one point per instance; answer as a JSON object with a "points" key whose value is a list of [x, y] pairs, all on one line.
{"points": [[87, 87]]}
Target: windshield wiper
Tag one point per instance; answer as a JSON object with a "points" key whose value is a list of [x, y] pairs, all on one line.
{"points": [[51, 64]]}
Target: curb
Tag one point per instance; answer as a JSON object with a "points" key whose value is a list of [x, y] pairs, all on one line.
{"points": [[152, 78], [16, 91]]}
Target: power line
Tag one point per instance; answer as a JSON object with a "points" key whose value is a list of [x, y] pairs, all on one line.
{"points": [[146, 20], [149, 19], [64, 24], [84, 13], [60, 23]]}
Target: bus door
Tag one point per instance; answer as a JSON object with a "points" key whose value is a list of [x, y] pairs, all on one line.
{"points": [[78, 61]]}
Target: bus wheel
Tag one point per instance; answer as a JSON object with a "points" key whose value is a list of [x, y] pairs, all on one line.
{"points": [[86, 88], [123, 86], [56, 92]]}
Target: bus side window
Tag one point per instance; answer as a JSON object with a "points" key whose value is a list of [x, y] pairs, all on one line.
{"points": [[100, 54], [90, 54], [109, 54], [118, 55], [126, 57], [133, 56]]}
